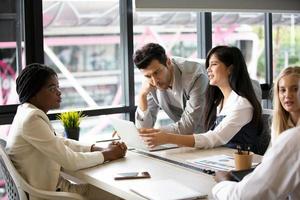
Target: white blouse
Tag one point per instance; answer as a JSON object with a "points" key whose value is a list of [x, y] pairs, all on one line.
{"points": [[237, 111]]}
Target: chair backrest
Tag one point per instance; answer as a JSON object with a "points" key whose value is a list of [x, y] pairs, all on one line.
{"points": [[11, 185], [265, 137], [18, 188]]}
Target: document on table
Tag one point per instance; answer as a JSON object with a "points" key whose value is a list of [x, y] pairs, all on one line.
{"points": [[165, 190], [217, 162]]}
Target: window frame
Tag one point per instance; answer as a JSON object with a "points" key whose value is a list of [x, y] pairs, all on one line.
{"points": [[34, 48]]}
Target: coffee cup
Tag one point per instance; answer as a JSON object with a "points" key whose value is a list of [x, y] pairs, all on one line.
{"points": [[243, 160]]}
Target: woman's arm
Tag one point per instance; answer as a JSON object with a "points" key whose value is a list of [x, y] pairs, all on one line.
{"points": [[182, 140], [237, 116], [155, 137], [235, 119]]}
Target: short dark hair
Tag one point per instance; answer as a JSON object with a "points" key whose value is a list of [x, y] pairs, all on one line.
{"points": [[239, 81], [31, 79], [151, 51]]}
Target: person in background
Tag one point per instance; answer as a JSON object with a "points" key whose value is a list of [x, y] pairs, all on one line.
{"points": [[232, 113], [35, 150], [286, 104], [175, 85], [278, 175]]}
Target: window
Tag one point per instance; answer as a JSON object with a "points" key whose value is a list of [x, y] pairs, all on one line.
{"points": [[82, 43], [10, 51], [286, 41], [245, 31], [175, 31]]}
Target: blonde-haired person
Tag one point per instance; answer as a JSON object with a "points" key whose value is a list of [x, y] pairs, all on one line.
{"points": [[286, 104], [278, 175]]}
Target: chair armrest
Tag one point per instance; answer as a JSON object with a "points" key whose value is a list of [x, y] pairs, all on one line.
{"points": [[55, 195], [44, 194]]}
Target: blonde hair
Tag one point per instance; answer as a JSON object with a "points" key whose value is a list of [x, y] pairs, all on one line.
{"points": [[281, 116]]}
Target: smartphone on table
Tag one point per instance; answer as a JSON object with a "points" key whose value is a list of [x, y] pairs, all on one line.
{"points": [[131, 175]]}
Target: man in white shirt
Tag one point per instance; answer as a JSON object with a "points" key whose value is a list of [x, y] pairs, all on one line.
{"points": [[277, 177], [175, 85]]}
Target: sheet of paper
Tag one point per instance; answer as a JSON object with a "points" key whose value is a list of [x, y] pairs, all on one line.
{"points": [[165, 190]]}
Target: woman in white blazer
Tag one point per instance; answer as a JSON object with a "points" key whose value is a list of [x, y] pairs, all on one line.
{"points": [[35, 150]]}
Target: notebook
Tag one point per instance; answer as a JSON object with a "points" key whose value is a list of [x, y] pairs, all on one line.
{"points": [[165, 190], [130, 135]]}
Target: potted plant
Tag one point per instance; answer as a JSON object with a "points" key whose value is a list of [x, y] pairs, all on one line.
{"points": [[71, 121]]}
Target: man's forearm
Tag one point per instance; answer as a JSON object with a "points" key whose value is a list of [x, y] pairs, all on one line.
{"points": [[143, 103]]}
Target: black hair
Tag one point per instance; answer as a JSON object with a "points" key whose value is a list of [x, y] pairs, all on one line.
{"points": [[151, 51], [31, 79], [239, 81]]}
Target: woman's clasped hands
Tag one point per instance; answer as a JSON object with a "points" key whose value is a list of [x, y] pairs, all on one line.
{"points": [[113, 151]]}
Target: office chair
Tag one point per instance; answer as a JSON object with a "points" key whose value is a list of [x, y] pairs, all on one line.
{"points": [[18, 189], [265, 137]]}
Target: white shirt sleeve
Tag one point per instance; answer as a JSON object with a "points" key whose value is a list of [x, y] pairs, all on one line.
{"points": [[237, 115], [277, 177]]}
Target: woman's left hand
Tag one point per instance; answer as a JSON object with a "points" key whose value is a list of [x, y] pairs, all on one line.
{"points": [[153, 137], [222, 176]]}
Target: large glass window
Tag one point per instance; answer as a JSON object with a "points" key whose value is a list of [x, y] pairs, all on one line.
{"points": [[286, 41], [82, 43], [175, 31], [10, 51], [245, 31]]}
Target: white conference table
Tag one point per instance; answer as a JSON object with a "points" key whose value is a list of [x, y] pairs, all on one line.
{"points": [[102, 176]]}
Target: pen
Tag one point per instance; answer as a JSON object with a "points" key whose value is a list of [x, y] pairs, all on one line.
{"points": [[115, 133], [248, 149], [239, 149]]}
